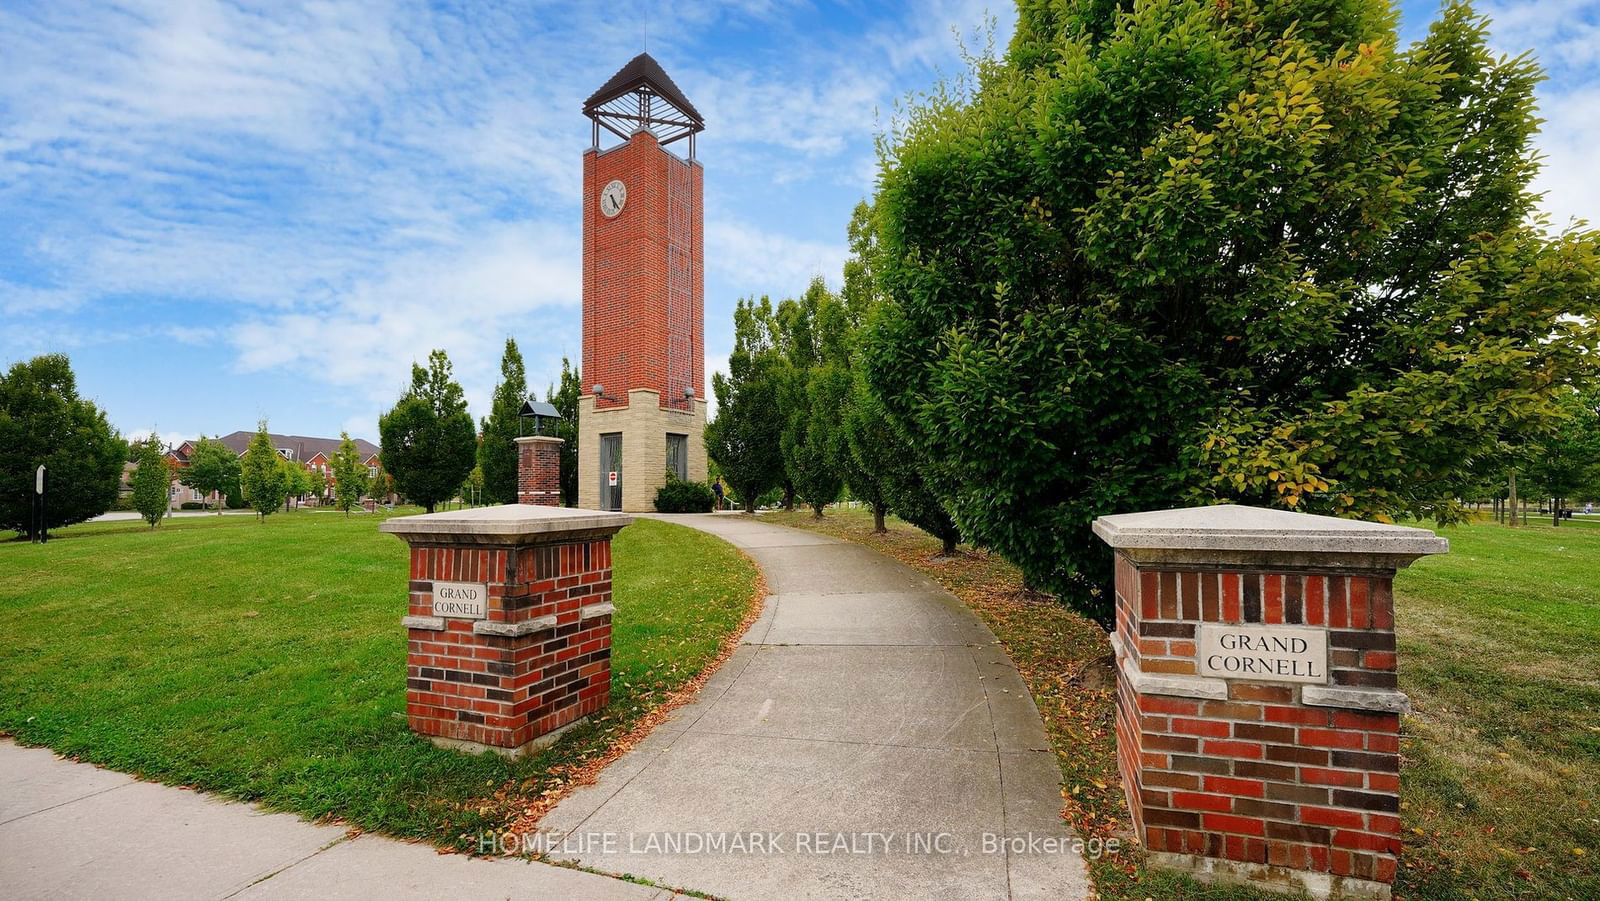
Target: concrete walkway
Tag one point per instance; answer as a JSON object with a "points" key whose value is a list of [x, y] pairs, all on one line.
{"points": [[70, 830], [869, 729]]}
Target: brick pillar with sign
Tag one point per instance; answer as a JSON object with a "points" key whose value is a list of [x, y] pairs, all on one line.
{"points": [[539, 470], [1258, 715], [509, 623]]}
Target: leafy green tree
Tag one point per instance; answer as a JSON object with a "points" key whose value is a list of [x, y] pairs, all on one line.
{"points": [[862, 471], [428, 440], [1172, 252], [260, 474], [497, 451], [349, 475], [213, 468], [817, 385], [1566, 463], [745, 437], [152, 481], [44, 421], [321, 487], [293, 482], [875, 444], [564, 397], [865, 438]]}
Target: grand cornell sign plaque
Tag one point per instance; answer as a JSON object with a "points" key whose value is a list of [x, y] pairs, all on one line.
{"points": [[461, 600], [1267, 653]]}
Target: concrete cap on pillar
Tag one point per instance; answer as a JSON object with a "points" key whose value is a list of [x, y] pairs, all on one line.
{"points": [[1228, 529], [507, 524]]}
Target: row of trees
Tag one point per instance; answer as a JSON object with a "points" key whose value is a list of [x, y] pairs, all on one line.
{"points": [[1169, 253], [795, 414], [261, 477], [431, 449]]}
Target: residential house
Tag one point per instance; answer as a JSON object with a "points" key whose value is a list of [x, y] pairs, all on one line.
{"points": [[316, 454]]}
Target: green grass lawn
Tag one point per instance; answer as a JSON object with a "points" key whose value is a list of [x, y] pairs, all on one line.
{"points": [[1500, 652], [266, 661], [1499, 649]]}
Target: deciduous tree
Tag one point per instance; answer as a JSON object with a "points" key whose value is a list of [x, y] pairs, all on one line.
{"points": [[43, 421], [261, 473], [497, 449], [152, 481], [213, 468], [564, 397], [816, 386], [1566, 463], [349, 475], [745, 437], [1170, 253], [428, 440]]}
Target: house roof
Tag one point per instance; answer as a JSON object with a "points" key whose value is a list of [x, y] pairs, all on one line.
{"points": [[304, 447], [643, 71]]}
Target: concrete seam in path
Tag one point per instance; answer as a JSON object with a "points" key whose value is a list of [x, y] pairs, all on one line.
{"points": [[283, 869], [62, 804], [1000, 767]]}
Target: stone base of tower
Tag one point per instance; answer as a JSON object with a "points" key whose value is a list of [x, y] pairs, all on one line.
{"points": [[643, 426]]}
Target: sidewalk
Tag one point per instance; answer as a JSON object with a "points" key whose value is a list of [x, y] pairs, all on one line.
{"points": [[870, 726], [71, 830]]}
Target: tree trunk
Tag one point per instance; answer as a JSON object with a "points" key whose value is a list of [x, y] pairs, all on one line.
{"points": [[949, 544], [1555, 513], [1512, 500], [817, 511], [429, 506], [788, 497], [878, 511]]}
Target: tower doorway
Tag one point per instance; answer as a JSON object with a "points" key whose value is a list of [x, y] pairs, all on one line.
{"points": [[611, 471]]}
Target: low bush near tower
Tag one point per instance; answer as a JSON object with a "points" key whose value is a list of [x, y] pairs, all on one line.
{"points": [[680, 496]]}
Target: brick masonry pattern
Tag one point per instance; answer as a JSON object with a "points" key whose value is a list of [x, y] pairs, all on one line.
{"points": [[506, 691], [628, 269], [539, 473], [643, 317], [1260, 777]]}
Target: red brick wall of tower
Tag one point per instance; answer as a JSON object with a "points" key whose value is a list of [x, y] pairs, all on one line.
{"points": [[639, 331]]}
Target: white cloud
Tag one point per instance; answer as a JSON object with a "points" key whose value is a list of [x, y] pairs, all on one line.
{"points": [[765, 262], [334, 189]]}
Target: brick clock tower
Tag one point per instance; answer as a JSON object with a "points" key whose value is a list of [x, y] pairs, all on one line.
{"points": [[643, 410]]}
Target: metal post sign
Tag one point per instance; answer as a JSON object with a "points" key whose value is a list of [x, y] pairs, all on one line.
{"points": [[38, 480], [611, 478]]}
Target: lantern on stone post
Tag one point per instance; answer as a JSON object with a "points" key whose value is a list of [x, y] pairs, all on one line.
{"points": [[538, 418]]}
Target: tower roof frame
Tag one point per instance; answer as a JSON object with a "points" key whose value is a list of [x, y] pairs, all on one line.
{"points": [[642, 95]]}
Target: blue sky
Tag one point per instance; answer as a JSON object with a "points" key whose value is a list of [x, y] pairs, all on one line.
{"points": [[226, 211]]}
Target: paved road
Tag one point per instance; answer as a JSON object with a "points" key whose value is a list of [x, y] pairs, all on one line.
{"points": [[866, 710], [70, 830]]}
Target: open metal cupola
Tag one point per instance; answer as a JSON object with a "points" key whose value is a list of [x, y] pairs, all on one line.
{"points": [[639, 96]]}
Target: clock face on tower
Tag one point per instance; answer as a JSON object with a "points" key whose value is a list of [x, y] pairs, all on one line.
{"points": [[612, 197]]}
